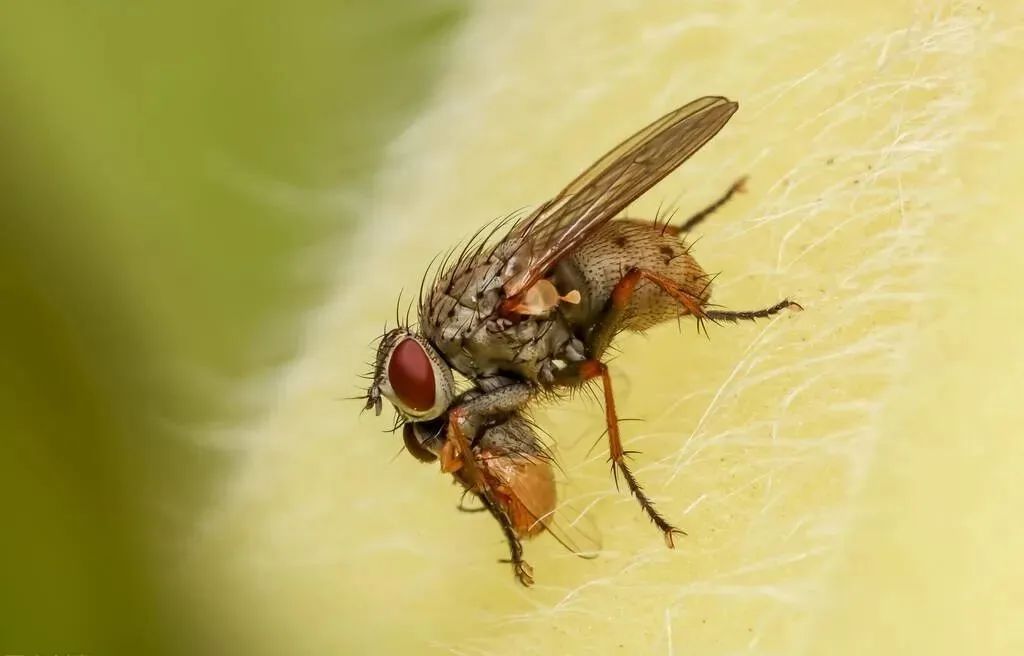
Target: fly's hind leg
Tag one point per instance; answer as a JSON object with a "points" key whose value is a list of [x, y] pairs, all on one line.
{"points": [[615, 312], [752, 315], [737, 187]]}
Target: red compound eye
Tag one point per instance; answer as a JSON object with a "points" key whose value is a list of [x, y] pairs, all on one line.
{"points": [[411, 375]]}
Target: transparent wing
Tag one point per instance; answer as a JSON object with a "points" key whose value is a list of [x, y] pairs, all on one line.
{"points": [[609, 185], [574, 530]]}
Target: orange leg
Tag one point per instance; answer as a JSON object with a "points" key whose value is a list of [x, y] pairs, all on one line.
{"points": [[604, 331], [597, 342], [457, 459], [456, 455], [625, 287], [588, 370]]}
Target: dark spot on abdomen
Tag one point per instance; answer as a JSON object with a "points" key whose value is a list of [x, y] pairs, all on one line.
{"points": [[620, 241]]}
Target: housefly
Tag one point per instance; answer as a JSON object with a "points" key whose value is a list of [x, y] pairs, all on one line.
{"points": [[528, 309]]}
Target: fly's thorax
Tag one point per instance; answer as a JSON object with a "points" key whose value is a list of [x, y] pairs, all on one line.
{"points": [[461, 300], [461, 318], [532, 349]]}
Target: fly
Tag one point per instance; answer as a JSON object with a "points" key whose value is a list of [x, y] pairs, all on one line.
{"points": [[532, 314]]}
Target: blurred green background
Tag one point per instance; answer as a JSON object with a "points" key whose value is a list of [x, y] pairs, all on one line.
{"points": [[173, 175]]}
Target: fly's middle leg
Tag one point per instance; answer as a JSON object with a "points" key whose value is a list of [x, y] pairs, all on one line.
{"points": [[598, 340], [581, 372]]}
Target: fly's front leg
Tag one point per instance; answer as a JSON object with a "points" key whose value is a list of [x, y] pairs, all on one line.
{"points": [[524, 573], [465, 422], [581, 372]]}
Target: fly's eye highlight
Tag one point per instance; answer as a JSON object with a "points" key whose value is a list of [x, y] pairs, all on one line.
{"points": [[411, 375]]}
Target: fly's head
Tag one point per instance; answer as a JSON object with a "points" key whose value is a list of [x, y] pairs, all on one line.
{"points": [[409, 372]]}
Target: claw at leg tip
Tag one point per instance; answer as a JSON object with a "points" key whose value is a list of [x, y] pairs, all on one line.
{"points": [[525, 574], [670, 534]]}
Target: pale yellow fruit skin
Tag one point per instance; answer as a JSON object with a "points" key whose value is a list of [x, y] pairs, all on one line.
{"points": [[848, 476]]}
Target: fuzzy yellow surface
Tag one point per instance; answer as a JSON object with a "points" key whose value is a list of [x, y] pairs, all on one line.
{"points": [[848, 476]]}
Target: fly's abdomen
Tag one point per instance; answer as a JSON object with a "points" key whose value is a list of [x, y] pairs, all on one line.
{"points": [[599, 263]]}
